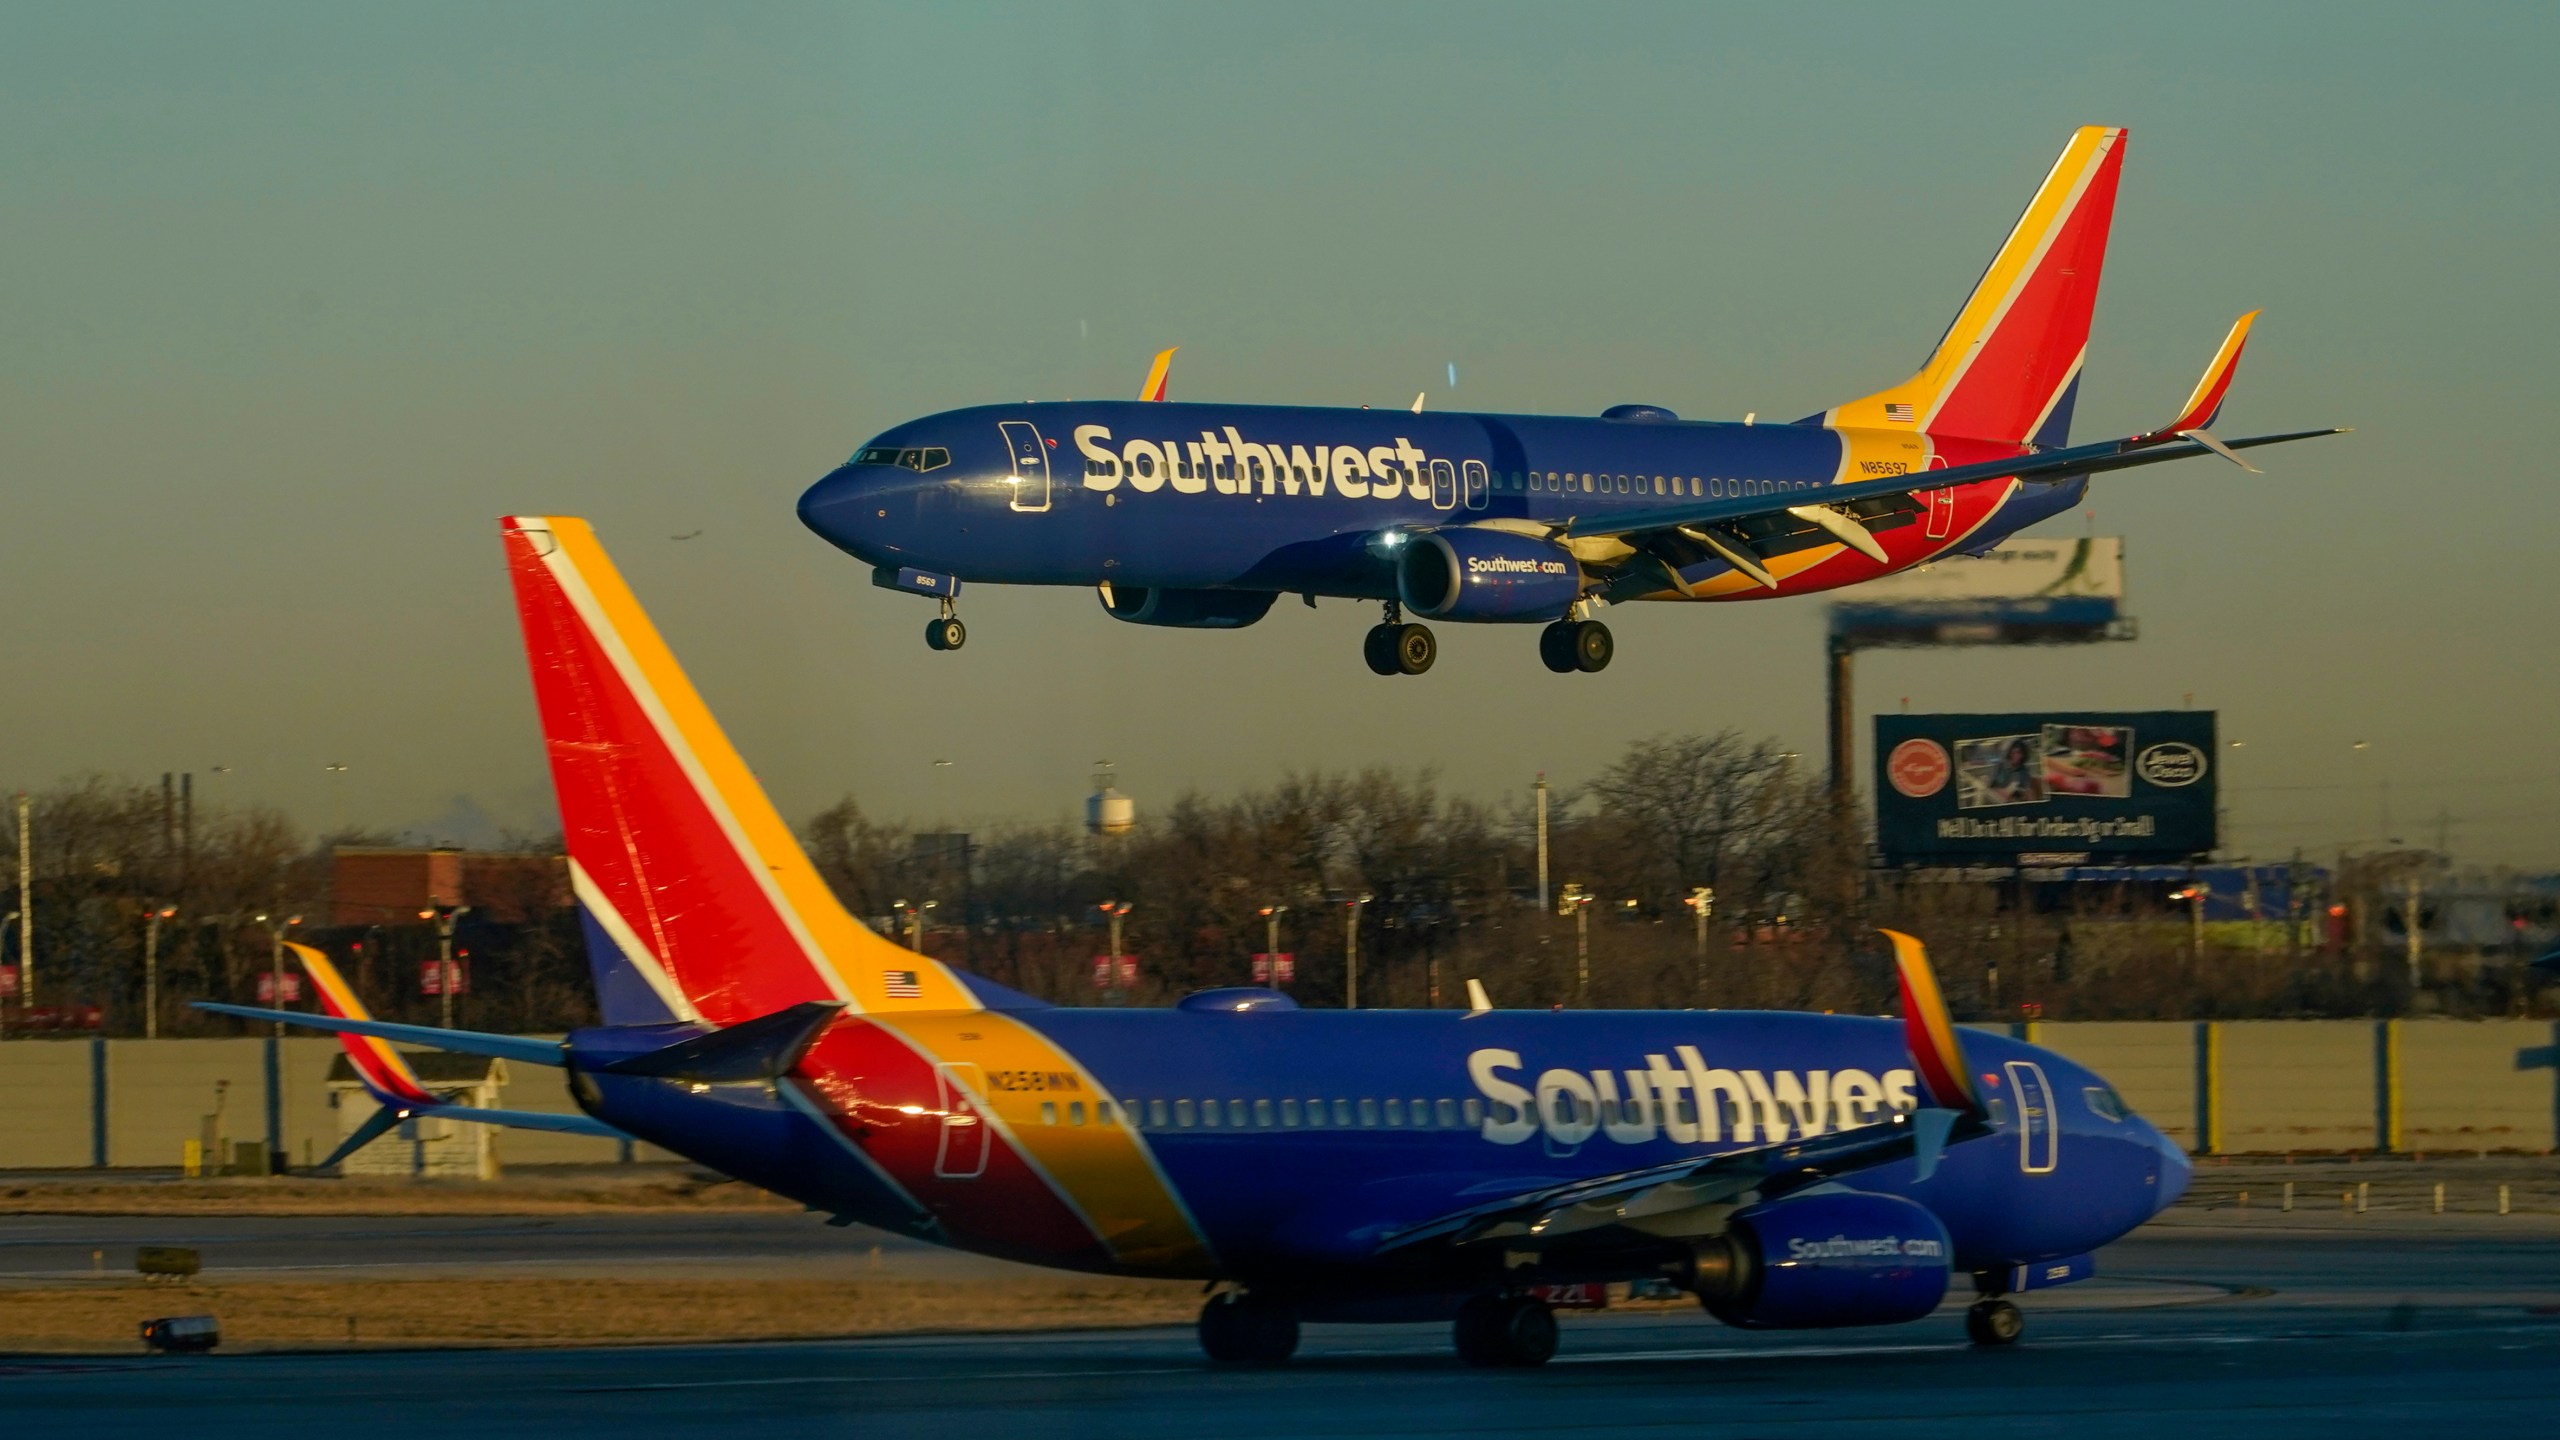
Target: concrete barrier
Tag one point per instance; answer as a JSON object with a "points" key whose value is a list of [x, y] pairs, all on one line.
{"points": [[2477, 1085], [2152, 1065]]}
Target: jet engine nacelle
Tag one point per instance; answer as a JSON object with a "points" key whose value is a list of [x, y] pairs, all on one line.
{"points": [[1472, 573], [1188, 609], [1826, 1259]]}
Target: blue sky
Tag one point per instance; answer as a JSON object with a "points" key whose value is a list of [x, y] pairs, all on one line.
{"points": [[306, 296]]}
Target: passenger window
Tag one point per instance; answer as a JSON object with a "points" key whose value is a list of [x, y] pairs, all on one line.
{"points": [[1342, 1114], [1262, 1115], [1475, 1113], [1586, 484], [1368, 1114], [1300, 471], [1315, 1114], [1235, 1115], [1395, 1113], [1155, 1116], [1147, 465], [1075, 1112], [1208, 1114], [1635, 1111], [1448, 1114], [1687, 1110], [1048, 1112]]}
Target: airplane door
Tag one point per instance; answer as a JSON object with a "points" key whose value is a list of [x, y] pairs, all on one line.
{"points": [[1472, 473], [962, 1153], [2037, 1137], [1444, 485], [1030, 478]]}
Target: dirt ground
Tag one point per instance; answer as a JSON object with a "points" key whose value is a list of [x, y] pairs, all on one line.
{"points": [[105, 1317]]}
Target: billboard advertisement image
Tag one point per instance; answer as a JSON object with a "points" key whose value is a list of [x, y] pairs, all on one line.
{"points": [[2059, 788]]}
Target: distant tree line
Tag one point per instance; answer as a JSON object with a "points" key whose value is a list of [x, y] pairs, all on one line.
{"points": [[1430, 890]]}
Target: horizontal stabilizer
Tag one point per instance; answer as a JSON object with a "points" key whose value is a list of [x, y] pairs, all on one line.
{"points": [[764, 1048], [461, 1042], [526, 1120]]}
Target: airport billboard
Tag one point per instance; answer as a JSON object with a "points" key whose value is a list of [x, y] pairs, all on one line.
{"points": [[2045, 788], [2019, 592]]}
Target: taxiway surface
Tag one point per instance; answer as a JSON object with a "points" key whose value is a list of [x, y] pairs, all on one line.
{"points": [[2209, 1326]]}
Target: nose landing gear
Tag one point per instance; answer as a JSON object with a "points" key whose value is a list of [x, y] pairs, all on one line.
{"points": [[946, 632], [1395, 648], [1994, 1322]]}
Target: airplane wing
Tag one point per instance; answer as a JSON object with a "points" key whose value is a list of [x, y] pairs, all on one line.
{"points": [[1690, 1197], [1745, 530], [1663, 1199]]}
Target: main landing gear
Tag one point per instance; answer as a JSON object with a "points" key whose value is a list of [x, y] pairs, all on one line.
{"points": [[1239, 1327], [1993, 1322], [1506, 1332], [946, 632], [1395, 648], [1571, 645]]}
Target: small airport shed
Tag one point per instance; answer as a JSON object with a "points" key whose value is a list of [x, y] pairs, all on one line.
{"points": [[425, 1145]]}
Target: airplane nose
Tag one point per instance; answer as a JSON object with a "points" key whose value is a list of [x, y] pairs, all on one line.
{"points": [[838, 506], [2175, 1171]]}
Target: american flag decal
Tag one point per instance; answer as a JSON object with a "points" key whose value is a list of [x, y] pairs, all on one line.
{"points": [[901, 985], [1902, 413]]}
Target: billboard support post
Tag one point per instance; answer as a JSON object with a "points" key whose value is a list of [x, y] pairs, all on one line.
{"points": [[1843, 711]]}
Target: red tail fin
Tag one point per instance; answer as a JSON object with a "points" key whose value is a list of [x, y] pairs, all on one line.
{"points": [[676, 854], [2016, 345]]}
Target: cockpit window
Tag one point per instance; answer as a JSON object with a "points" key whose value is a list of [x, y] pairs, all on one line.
{"points": [[2105, 1103], [911, 458]]}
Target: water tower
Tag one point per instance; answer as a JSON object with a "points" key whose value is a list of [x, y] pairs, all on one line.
{"points": [[1107, 812]]}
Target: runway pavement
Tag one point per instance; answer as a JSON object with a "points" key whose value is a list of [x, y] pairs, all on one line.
{"points": [[2205, 1327]]}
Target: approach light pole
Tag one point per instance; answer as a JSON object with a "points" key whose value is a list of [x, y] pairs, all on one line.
{"points": [[1542, 839], [1117, 912], [1576, 902], [151, 968], [26, 916]]}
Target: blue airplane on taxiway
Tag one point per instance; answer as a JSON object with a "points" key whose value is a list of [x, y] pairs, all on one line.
{"points": [[1204, 515], [1789, 1170]]}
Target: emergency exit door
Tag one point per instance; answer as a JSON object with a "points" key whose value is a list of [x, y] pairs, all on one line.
{"points": [[1444, 485], [1476, 481]]}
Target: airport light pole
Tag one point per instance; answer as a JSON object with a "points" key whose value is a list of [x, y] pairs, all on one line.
{"points": [[1351, 949], [151, 968], [1702, 899], [1576, 901], [4, 1001], [1271, 940], [26, 912], [445, 916], [1117, 912], [1542, 839]]}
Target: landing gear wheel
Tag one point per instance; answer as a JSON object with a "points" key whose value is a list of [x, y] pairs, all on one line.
{"points": [[1379, 649], [1592, 646], [1242, 1329], [946, 633], [1994, 1322], [1415, 648], [1555, 647], [1506, 1332]]}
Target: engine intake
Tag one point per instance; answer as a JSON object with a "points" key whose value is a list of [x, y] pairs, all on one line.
{"points": [[1823, 1260], [1470, 573], [1189, 609]]}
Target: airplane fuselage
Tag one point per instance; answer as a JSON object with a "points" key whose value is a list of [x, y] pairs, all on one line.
{"points": [[1200, 1142], [1312, 501]]}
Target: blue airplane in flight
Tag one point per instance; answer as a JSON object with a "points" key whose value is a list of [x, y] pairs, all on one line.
{"points": [[1789, 1170], [1204, 515]]}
